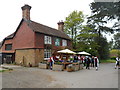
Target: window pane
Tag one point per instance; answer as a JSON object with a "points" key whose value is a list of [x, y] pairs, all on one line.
{"points": [[57, 42], [64, 42], [8, 47], [47, 40], [47, 53]]}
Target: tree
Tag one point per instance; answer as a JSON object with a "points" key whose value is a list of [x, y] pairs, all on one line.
{"points": [[89, 41], [86, 40], [102, 12], [73, 23], [106, 11], [103, 49], [117, 41], [111, 46]]}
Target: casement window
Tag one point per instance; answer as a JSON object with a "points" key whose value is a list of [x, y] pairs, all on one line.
{"points": [[57, 42], [64, 42], [47, 40], [47, 53], [8, 46]]}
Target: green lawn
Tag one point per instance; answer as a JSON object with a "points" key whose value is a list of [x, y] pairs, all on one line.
{"points": [[6, 69], [107, 61], [2, 70]]}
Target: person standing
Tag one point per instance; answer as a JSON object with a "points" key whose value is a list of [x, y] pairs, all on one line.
{"points": [[87, 62], [51, 62], [79, 59], [75, 58], [96, 61], [92, 61], [83, 60], [117, 62]]}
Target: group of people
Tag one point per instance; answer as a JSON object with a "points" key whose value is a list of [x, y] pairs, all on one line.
{"points": [[117, 63], [88, 61], [85, 60]]}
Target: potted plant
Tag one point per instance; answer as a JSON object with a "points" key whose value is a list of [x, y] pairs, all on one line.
{"points": [[42, 65], [70, 68], [58, 66]]}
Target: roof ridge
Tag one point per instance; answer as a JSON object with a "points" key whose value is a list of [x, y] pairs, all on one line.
{"points": [[41, 28], [43, 25]]}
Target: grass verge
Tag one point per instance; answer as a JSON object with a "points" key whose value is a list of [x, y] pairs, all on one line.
{"points": [[2, 70], [107, 61], [6, 69]]}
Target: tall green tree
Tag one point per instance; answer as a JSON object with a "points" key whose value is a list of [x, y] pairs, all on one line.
{"points": [[102, 12], [103, 47], [106, 11], [73, 24], [117, 41], [111, 44], [86, 40]]}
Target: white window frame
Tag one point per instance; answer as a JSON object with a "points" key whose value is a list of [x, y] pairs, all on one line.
{"points": [[47, 39], [47, 54], [64, 42]]}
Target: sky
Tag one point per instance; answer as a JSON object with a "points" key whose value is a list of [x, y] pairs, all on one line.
{"points": [[46, 12]]}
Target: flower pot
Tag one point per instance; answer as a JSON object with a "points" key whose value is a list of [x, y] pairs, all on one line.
{"points": [[57, 67], [42, 66]]}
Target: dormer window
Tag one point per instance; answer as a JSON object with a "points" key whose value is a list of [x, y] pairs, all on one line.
{"points": [[8, 46], [47, 40]]}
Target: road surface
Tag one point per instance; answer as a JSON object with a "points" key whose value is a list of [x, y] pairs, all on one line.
{"points": [[24, 77]]}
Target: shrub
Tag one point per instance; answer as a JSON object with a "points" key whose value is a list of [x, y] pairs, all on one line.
{"points": [[113, 58], [118, 53], [114, 53], [58, 63]]}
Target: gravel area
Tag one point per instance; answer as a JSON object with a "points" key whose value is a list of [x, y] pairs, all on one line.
{"points": [[24, 77]]}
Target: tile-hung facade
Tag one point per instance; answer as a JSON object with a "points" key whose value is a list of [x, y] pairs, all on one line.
{"points": [[33, 42]]}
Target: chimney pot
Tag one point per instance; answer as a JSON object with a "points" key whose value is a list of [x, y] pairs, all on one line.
{"points": [[26, 12], [61, 25]]}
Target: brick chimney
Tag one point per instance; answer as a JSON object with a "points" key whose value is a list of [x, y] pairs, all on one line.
{"points": [[61, 25], [26, 12]]}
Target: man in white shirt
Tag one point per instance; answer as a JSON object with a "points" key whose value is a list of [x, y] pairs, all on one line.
{"points": [[117, 62]]}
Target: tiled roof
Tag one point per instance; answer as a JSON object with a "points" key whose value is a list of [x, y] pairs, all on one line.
{"points": [[36, 27]]}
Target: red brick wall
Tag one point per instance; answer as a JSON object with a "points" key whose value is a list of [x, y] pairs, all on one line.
{"points": [[39, 40], [7, 42], [69, 44], [24, 37]]}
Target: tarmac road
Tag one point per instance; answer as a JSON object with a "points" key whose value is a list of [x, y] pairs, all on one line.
{"points": [[23, 77]]}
